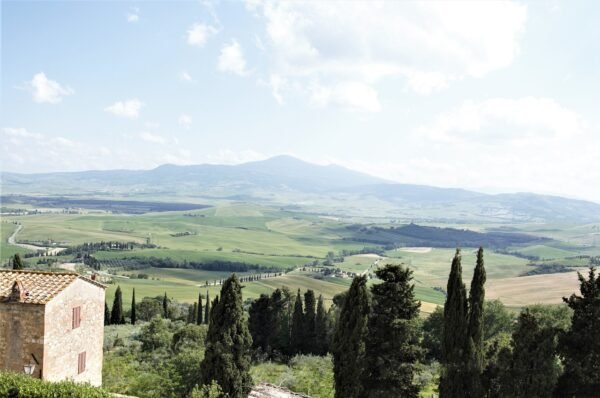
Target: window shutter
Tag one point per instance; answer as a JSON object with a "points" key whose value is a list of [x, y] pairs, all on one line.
{"points": [[76, 317], [81, 363]]}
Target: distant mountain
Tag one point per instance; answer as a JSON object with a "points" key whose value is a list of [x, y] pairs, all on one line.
{"points": [[288, 181]]}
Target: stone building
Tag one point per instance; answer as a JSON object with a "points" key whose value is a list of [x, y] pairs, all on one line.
{"points": [[51, 325]]}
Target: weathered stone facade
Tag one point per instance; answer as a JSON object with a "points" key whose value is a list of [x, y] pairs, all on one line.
{"points": [[42, 327]]}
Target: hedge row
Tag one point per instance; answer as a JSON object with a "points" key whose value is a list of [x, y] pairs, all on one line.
{"points": [[21, 386]]}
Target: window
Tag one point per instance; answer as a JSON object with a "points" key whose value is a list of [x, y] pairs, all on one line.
{"points": [[76, 317], [81, 363]]}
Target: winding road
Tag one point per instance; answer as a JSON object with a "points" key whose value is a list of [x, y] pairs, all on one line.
{"points": [[51, 251]]}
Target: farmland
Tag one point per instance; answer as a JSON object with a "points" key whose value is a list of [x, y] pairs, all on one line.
{"points": [[270, 238]]}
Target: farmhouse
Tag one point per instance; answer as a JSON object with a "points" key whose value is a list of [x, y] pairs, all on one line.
{"points": [[51, 325]]}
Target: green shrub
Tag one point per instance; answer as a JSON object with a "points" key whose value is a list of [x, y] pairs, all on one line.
{"points": [[21, 386]]}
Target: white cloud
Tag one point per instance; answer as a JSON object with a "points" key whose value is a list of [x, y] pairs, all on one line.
{"points": [[185, 76], [185, 121], [21, 132], [198, 34], [428, 44], [232, 59], [228, 156], [491, 120], [153, 138], [128, 109], [48, 91], [134, 15], [355, 96]]}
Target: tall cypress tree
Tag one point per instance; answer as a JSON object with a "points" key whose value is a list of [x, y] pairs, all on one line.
{"points": [[310, 336], [321, 328], [17, 263], [207, 309], [194, 312], [259, 322], [165, 305], [297, 332], [391, 345], [133, 314], [106, 314], [200, 310], [116, 315], [228, 342], [452, 378], [474, 342], [580, 346], [280, 314], [349, 341]]}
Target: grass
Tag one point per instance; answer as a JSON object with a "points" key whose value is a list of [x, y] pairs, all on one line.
{"points": [[545, 252], [6, 250]]}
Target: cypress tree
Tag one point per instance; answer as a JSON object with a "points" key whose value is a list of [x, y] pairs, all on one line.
{"points": [[322, 344], [17, 263], [349, 341], [259, 323], [194, 312], [106, 314], [579, 347], [391, 345], [165, 305], [297, 332], [310, 336], [207, 309], [474, 345], [116, 315], [533, 370], [199, 312], [228, 342], [190, 315], [452, 378], [133, 314], [280, 303]]}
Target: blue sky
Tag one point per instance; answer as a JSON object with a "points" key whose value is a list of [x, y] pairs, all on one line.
{"points": [[491, 96]]}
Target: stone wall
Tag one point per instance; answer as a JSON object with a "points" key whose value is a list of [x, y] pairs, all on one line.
{"points": [[64, 344], [21, 335]]}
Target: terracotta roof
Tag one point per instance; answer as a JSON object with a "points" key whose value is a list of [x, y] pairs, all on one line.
{"points": [[266, 390], [40, 286]]}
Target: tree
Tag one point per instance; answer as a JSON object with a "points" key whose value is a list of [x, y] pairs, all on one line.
{"points": [[17, 263], [452, 379], [260, 324], [199, 311], [194, 312], [155, 335], [116, 315], [579, 348], [474, 344], [228, 343], [391, 345], [133, 314], [433, 331], [280, 303], [165, 306], [207, 309], [106, 314], [297, 332], [309, 335], [349, 341], [533, 370], [322, 344]]}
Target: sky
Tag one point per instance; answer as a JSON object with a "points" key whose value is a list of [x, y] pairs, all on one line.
{"points": [[491, 96]]}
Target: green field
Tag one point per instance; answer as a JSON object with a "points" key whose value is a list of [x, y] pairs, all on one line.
{"points": [[6, 250]]}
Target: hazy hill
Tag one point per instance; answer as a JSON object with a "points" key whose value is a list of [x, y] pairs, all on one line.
{"points": [[284, 180]]}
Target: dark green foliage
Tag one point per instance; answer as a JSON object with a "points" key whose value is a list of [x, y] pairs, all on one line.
{"points": [[579, 348], [165, 306], [532, 370], [297, 332], [474, 347], [260, 323], [207, 309], [17, 263], [155, 335], [392, 340], [281, 305], [199, 311], [496, 320], [309, 334], [349, 340], [106, 314], [188, 336], [321, 343], [149, 308], [433, 330], [452, 379], [194, 312], [21, 386], [116, 315], [133, 313], [228, 343]]}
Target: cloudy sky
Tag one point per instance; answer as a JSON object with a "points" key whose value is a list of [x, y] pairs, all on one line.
{"points": [[491, 96]]}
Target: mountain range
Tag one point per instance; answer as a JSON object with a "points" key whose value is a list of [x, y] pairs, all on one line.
{"points": [[288, 181]]}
